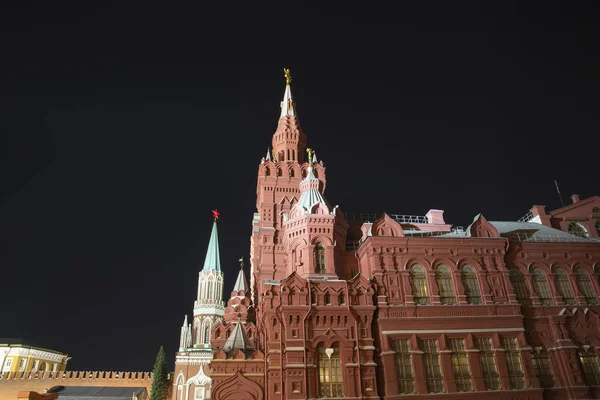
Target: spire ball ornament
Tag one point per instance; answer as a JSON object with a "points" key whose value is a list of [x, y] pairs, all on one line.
{"points": [[288, 76]]}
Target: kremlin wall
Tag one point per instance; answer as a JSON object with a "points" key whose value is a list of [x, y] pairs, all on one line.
{"points": [[383, 306]]}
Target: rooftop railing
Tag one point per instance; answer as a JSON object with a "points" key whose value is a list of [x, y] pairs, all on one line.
{"points": [[400, 218], [526, 218]]}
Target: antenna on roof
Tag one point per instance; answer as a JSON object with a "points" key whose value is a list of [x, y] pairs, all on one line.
{"points": [[559, 196]]}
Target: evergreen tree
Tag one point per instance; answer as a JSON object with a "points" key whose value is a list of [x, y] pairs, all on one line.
{"points": [[160, 387]]}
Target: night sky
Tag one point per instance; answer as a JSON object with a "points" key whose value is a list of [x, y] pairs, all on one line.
{"points": [[122, 127]]}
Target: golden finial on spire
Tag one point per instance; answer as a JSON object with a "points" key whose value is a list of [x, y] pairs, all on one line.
{"points": [[288, 76], [241, 261], [310, 154], [274, 155]]}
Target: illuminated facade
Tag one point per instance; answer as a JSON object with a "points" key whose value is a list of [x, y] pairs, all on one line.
{"points": [[395, 306], [17, 355]]}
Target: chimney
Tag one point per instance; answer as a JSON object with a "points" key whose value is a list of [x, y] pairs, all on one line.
{"points": [[435, 217], [575, 198]]}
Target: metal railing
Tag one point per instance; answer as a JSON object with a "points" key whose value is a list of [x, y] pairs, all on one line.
{"points": [[400, 218], [526, 218]]}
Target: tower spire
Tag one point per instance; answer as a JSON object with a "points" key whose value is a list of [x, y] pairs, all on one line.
{"points": [[241, 283], [213, 260], [287, 105], [288, 140]]}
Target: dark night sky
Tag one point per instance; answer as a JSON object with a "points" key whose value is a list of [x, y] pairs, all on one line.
{"points": [[123, 126]]}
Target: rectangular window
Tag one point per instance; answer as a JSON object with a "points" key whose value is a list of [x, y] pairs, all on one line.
{"points": [[543, 368], [460, 365], [404, 368], [487, 361], [590, 366], [516, 377], [8, 364], [22, 364], [431, 362]]}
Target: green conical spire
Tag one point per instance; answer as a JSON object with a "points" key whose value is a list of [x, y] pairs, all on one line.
{"points": [[212, 260]]}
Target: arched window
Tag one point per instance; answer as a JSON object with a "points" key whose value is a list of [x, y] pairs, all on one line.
{"points": [[585, 286], [292, 172], [590, 365], [330, 372], [540, 284], [445, 287], [598, 227], [327, 298], [419, 284], [543, 367], [267, 171], [469, 280], [320, 258], [518, 282], [564, 287], [575, 228], [341, 298], [207, 334], [210, 289]]}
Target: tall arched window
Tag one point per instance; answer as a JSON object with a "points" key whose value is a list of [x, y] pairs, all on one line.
{"points": [[320, 258], [445, 287], [575, 228], [540, 284], [590, 365], [330, 372], [598, 227], [469, 280], [210, 289], [207, 334], [564, 287], [542, 366], [518, 282], [419, 284], [585, 286]]}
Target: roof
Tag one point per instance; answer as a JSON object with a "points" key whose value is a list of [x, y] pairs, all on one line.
{"points": [[525, 232], [21, 342], [534, 232], [237, 339], [100, 392], [240, 282], [213, 260], [311, 196]]}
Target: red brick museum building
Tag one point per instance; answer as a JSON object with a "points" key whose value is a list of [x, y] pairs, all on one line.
{"points": [[393, 306]]}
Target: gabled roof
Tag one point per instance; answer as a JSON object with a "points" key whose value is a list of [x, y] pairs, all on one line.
{"points": [[569, 207]]}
